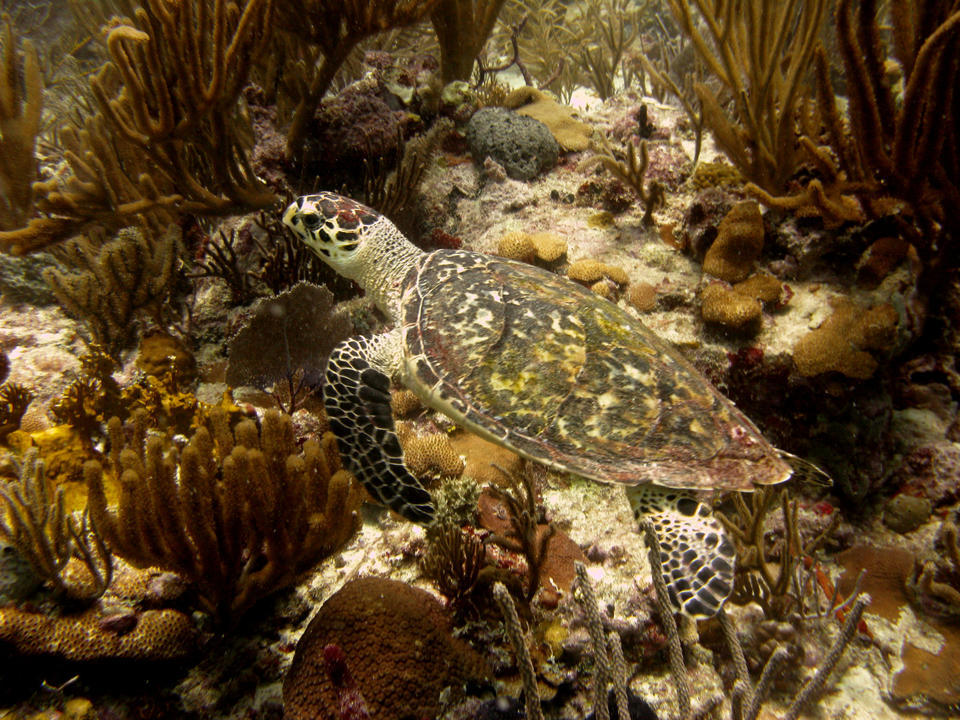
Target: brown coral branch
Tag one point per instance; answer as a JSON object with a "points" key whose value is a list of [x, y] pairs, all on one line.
{"points": [[21, 107], [462, 28], [239, 518], [630, 171]]}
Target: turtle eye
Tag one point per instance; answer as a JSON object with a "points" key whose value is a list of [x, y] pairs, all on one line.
{"points": [[311, 221]]}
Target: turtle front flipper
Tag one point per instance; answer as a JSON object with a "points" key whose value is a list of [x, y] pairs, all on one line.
{"points": [[357, 401], [697, 556]]}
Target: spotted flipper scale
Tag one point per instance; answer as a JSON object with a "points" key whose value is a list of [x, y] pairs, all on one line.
{"points": [[357, 400], [696, 555]]}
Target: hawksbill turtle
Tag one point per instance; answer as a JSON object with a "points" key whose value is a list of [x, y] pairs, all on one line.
{"points": [[544, 367]]}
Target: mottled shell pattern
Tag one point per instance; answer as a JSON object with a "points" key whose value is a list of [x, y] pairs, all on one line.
{"points": [[567, 378]]}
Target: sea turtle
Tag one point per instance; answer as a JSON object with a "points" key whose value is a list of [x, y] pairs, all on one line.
{"points": [[542, 366]]}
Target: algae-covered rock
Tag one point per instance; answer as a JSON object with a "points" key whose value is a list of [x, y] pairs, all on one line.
{"points": [[522, 145], [905, 513]]}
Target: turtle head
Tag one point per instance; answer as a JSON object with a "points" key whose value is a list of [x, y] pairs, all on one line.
{"points": [[333, 226], [357, 242]]}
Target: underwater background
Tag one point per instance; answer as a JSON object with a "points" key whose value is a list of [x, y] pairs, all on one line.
{"points": [[771, 187]]}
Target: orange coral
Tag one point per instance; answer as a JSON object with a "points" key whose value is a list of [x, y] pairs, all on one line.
{"points": [[642, 296], [397, 643]]}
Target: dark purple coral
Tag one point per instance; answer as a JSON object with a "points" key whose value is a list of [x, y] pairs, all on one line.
{"points": [[350, 702]]}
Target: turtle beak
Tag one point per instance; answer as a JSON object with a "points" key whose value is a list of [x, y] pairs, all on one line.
{"points": [[290, 214]]}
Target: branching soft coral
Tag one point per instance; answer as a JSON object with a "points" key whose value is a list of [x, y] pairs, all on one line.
{"points": [[170, 136], [240, 514], [761, 53]]}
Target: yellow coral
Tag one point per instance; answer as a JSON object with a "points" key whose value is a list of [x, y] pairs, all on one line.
{"points": [[548, 246], [725, 306], [763, 287], [590, 271], [429, 454], [516, 246], [570, 133]]}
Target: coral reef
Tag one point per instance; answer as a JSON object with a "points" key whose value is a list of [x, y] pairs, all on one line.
{"points": [[240, 514], [397, 643], [335, 29]]}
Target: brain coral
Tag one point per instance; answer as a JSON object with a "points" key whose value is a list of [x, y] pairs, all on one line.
{"points": [[397, 645], [739, 241]]}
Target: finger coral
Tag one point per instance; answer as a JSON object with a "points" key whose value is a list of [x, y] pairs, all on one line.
{"points": [[239, 514], [396, 641]]}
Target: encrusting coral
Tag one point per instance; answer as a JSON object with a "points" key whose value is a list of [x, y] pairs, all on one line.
{"points": [[842, 343], [156, 635], [239, 514], [570, 133], [396, 641], [21, 108]]}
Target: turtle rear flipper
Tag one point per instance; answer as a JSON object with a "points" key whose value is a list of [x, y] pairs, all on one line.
{"points": [[697, 557], [357, 401]]}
